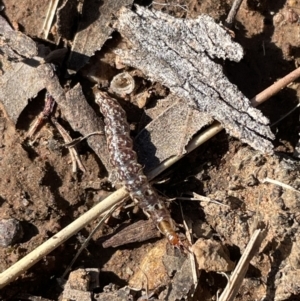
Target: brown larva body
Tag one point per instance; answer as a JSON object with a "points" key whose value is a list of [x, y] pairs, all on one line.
{"points": [[129, 171]]}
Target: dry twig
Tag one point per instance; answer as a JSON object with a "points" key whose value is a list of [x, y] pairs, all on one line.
{"points": [[286, 115], [45, 114], [278, 183], [238, 274], [195, 272], [100, 223], [76, 110], [51, 244], [76, 161], [233, 11], [50, 17]]}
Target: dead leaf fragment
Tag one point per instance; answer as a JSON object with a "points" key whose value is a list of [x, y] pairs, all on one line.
{"points": [[18, 85], [93, 30], [17, 46], [83, 119], [169, 131]]}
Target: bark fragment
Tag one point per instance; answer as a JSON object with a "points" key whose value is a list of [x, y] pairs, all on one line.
{"points": [[15, 44], [77, 111], [179, 53], [17, 85], [66, 15], [93, 30], [137, 232]]}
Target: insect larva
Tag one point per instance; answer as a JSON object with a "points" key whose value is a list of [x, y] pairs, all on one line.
{"points": [[129, 172]]}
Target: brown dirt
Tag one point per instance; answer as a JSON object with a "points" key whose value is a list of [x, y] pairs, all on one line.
{"points": [[39, 189]]}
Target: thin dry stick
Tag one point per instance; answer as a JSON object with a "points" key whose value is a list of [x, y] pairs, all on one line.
{"points": [[275, 88], [195, 272], [76, 161], [216, 127], [238, 274], [201, 198], [275, 182], [184, 7], [50, 17], [286, 115], [233, 11], [102, 220], [32, 258], [51, 244], [79, 139]]}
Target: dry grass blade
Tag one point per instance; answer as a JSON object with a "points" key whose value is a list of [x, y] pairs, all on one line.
{"points": [[201, 198], [79, 139], [195, 272], [238, 274], [76, 161], [50, 17], [286, 115], [275, 182], [32, 258]]}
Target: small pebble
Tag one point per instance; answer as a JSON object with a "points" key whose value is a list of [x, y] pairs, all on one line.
{"points": [[11, 232]]}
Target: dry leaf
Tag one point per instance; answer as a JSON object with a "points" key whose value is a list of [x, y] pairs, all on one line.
{"points": [[14, 44], [17, 86], [172, 126], [93, 29]]}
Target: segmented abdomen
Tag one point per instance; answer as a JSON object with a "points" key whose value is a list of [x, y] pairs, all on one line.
{"points": [[129, 172]]}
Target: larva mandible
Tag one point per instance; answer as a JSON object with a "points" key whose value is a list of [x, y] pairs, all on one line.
{"points": [[129, 171]]}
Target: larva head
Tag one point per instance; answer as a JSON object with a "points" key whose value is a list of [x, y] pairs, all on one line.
{"points": [[167, 228]]}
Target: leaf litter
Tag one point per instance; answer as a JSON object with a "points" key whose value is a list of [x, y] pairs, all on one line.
{"points": [[191, 84]]}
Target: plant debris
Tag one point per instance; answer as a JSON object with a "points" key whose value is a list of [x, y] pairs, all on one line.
{"points": [[76, 110], [140, 231], [93, 30], [177, 121], [178, 53], [15, 44]]}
